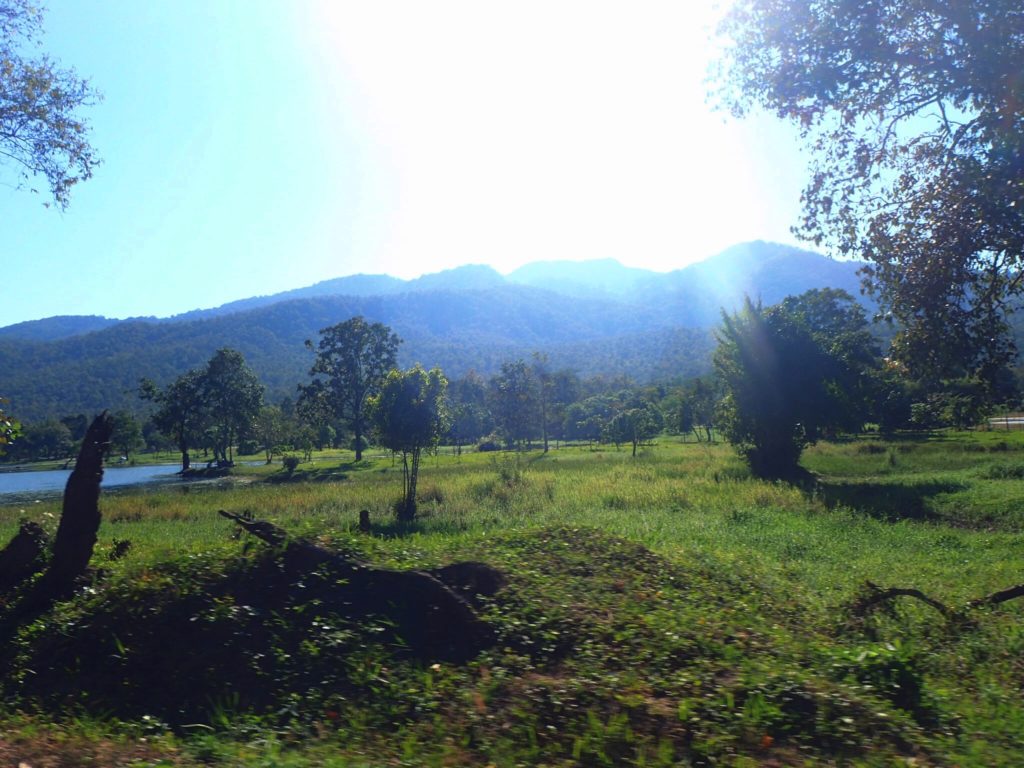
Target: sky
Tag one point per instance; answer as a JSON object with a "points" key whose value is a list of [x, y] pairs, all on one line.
{"points": [[255, 146]]}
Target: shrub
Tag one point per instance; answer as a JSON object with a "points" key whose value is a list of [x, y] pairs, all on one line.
{"points": [[489, 443], [248, 447]]}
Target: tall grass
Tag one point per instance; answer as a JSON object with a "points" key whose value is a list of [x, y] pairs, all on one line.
{"points": [[741, 612], [679, 499]]}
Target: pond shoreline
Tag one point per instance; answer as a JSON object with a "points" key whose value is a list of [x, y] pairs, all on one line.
{"points": [[19, 485]]}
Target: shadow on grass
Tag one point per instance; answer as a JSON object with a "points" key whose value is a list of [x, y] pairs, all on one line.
{"points": [[886, 501], [396, 529], [333, 474], [311, 476]]}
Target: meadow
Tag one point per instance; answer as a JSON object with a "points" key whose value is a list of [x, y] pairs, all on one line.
{"points": [[663, 610]]}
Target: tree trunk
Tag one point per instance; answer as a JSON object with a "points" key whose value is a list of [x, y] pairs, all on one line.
{"points": [[409, 505], [544, 421], [80, 518], [185, 460], [357, 427]]}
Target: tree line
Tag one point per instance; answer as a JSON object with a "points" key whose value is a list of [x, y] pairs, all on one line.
{"points": [[784, 376]]}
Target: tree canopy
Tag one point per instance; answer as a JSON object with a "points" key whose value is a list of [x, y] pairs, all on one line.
{"points": [[792, 373], [212, 405], [352, 359], [233, 396], [410, 414], [41, 131], [180, 412], [9, 428], [514, 401], [914, 111]]}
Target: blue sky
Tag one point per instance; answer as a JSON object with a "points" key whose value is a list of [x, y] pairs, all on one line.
{"points": [[252, 147]]}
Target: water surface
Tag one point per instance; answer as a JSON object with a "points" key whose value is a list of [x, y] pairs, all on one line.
{"points": [[51, 482]]}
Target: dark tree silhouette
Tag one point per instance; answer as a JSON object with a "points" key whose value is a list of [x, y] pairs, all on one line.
{"points": [[914, 112]]}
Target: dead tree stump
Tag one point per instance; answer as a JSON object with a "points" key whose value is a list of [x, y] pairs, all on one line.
{"points": [[80, 515]]}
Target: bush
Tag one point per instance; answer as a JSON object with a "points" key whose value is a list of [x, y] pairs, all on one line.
{"points": [[248, 447], [290, 463], [489, 443]]}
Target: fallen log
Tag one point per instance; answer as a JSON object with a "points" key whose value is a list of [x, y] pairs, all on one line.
{"points": [[876, 596], [431, 617], [998, 597]]}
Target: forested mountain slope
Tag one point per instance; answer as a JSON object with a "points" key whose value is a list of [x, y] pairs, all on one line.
{"points": [[652, 326]]}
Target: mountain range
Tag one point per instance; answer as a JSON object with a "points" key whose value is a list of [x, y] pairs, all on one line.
{"points": [[596, 317]]}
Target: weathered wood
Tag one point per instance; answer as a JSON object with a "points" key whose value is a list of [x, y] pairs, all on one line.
{"points": [[432, 619], [80, 515], [76, 533], [998, 597], [877, 595]]}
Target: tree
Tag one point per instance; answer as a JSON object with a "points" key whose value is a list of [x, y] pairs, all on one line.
{"points": [[545, 386], [695, 411], [233, 395], [41, 132], [469, 416], [77, 424], [409, 414], [45, 440], [127, 433], [514, 402], [785, 384], [9, 428], [181, 411], [271, 428], [586, 419], [633, 425], [352, 360], [914, 111], [563, 390], [852, 380]]}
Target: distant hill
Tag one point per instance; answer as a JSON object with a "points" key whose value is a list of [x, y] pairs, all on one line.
{"points": [[59, 327], [598, 278], [607, 320]]}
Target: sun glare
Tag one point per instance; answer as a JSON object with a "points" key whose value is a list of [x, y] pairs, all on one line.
{"points": [[508, 134]]}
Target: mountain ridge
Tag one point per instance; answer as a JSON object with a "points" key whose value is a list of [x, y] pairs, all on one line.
{"points": [[607, 279], [659, 329]]}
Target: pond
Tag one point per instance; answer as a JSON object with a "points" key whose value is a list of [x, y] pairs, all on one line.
{"points": [[51, 482]]}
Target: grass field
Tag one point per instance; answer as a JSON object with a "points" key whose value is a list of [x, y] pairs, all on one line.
{"points": [[663, 610]]}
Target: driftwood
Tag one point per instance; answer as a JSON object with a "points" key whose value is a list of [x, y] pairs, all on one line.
{"points": [[431, 617], [876, 596]]}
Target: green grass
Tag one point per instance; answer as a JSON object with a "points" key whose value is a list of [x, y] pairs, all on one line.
{"points": [[662, 610]]}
